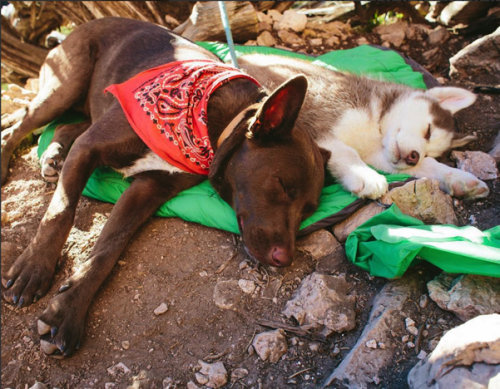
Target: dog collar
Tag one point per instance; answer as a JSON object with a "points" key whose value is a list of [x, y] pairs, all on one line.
{"points": [[234, 123]]}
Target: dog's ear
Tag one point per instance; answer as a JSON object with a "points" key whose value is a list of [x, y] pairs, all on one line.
{"points": [[460, 140], [277, 116], [451, 98]]}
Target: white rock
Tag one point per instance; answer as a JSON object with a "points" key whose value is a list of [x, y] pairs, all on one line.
{"points": [[293, 21], [192, 385], [410, 345], [117, 369], [247, 286], [227, 294], [276, 16], [270, 345], [410, 326], [239, 373], [422, 355], [323, 302], [126, 344], [482, 165], [423, 301], [372, 343], [266, 39], [316, 42], [214, 373], [161, 309], [39, 385], [467, 356], [318, 244]]}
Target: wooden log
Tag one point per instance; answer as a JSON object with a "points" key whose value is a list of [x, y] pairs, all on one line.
{"points": [[205, 22]]}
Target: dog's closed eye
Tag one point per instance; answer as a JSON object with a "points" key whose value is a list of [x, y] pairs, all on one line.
{"points": [[428, 133]]}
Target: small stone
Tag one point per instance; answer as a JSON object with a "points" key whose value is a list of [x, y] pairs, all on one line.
{"points": [[316, 42], [262, 17], [332, 41], [423, 301], [438, 36], [290, 38], [266, 39], [126, 344], [5, 217], [318, 244], [109, 385], [410, 326], [376, 380], [314, 346], [161, 309], [422, 355], [270, 345], [264, 26], [213, 375], [39, 385], [371, 343], [410, 345], [482, 165], [239, 373], [336, 351], [274, 15], [405, 338], [192, 385], [243, 265], [117, 369], [362, 41], [386, 44], [393, 33], [227, 294], [381, 345], [247, 286], [293, 21]]}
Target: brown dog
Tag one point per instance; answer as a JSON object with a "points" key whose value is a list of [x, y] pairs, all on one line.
{"points": [[254, 175]]}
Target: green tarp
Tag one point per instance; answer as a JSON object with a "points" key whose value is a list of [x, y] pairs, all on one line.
{"points": [[373, 247]]}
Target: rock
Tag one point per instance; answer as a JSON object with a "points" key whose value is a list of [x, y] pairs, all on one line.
{"points": [[357, 369], [393, 33], [362, 41], [270, 345], [126, 344], [263, 18], [266, 39], [467, 296], [289, 37], [331, 263], [227, 294], [39, 385], [172, 21], [292, 20], [5, 218], [161, 309], [431, 57], [462, 12], [467, 356], [168, 383], [372, 343], [141, 380], [481, 57], [386, 44], [482, 165], [495, 151], [250, 43], [192, 385], [275, 16], [117, 369], [423, 301], [332, 41], [309, 33], [316, 42], [247, 286], [424, 200], [263, 26], [323, 302], [318, 244], [213, 375], [410, 326], [417, 31], [422, 355], [344, 228], [109, 385], [335, 28], [438, 36], [238, 374]]}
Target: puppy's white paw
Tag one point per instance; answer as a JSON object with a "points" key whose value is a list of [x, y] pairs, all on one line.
{"points": [[52, 162], [366, 183], [462, 184]]}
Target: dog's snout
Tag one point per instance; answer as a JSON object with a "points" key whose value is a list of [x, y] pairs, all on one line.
{"points": [[281, 258], [412, 158]]}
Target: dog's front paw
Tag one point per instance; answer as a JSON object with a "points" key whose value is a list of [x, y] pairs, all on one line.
{"points": [[28, 279], [465, 185], [52, 162], [365, 182]]}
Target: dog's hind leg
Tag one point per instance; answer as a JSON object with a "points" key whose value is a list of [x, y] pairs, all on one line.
{"points": [[61, 87], [52, 159], [61, 324]]}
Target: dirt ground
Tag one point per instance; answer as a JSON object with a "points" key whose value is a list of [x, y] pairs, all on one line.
{"points": [[177, 263]]}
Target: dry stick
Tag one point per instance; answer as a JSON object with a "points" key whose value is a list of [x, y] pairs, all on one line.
{"points": [[216, 356], [299, 372], [292, 329], [226, 264], [248, 345], [419, 339]]}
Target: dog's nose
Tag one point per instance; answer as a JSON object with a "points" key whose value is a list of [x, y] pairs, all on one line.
{"points": [[412, 158], [280, 258]]}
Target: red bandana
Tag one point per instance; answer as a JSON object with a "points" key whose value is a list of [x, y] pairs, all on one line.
{"points": [[167, 108]]}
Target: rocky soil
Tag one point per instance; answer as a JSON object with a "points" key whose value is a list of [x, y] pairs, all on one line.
{"points": [[185, 307]]}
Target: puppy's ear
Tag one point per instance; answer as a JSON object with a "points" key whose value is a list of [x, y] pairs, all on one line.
{"points": [[277, 116], [460, 140], [451, 98]]}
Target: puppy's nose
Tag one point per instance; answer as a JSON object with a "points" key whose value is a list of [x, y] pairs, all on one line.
{"points": [[412, 158], [280, 258]]}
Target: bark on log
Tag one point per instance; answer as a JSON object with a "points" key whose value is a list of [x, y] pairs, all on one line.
{"points": [[25, 58], [205, 22]]}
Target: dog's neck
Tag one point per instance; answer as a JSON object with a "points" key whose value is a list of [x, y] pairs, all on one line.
{"points": [[226, 103]]}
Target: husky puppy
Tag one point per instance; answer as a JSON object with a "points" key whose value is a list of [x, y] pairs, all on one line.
{"points": [[389, 126]]}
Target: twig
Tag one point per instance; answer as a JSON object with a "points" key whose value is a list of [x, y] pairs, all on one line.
{"points": [[304, 333], [299, 372], [226, 264], [248, 345], [419, 338], [216, 356]]}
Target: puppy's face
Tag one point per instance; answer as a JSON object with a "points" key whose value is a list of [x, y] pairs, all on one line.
{"points": [[421, 125]]}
